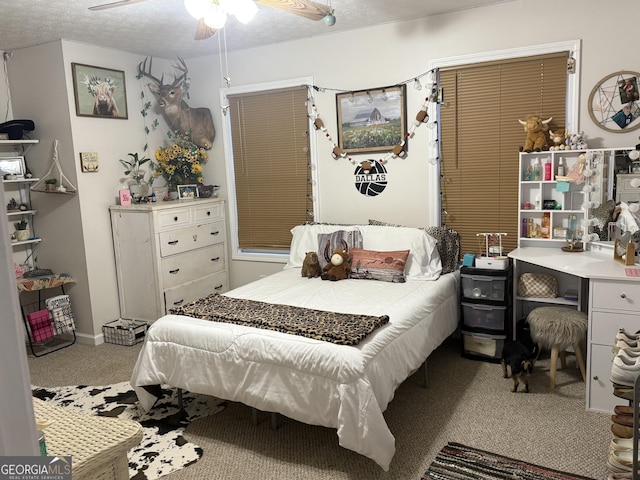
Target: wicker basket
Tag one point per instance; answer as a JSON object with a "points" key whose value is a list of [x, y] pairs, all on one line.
{"points": [[125, 332], [98, 445]]}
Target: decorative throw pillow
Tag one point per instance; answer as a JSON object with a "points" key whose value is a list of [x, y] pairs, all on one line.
{"points": [[373, 265], [448, 247], [328, 242], [448, 244]]}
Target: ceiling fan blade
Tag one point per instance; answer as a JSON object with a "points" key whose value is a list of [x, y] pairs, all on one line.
{"points": [[120, 3], [204, 31], [303, 8]]}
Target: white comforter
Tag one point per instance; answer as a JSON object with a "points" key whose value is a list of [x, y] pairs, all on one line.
{"points": [[315, 382]]}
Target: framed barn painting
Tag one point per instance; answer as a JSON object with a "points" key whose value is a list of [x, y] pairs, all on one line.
{"points": [[372, 120], [99, 92]]}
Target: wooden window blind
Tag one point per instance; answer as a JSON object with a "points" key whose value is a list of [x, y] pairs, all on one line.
{"points": [[271, 161], [481, 136]]}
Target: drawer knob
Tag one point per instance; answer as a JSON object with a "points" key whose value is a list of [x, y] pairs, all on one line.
{"points": [[175, 219], [208, 213], [179, 302], [218, 287], [215, 233], [623, 295], [173, 242], [173, 272], [215, 259], [595, 377]]}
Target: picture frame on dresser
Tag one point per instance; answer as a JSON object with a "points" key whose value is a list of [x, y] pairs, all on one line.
{"points": [[188, 192]]}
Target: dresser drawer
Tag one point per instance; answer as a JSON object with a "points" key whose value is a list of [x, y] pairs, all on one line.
{"points": [[175, 297], [175, 217], [605, 325], [184, 267], [614, 295], [190, 238], [208, 212]]}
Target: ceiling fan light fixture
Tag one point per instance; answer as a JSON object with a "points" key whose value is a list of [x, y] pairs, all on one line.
{"points": [[198, 8], [215, 17], [329, 19], [244, 10]]}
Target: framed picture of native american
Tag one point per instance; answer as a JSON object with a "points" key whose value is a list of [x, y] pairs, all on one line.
{"points": [[99, 92], [372, 120]]}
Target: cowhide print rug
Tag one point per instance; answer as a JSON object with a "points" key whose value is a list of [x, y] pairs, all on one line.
{"points": [[163, 449]]}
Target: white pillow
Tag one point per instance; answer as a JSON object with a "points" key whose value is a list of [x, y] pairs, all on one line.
{"points": [[305, 239], [424, 261]]}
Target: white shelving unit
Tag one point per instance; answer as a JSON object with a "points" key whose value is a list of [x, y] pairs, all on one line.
{"points": [[533, 193]]}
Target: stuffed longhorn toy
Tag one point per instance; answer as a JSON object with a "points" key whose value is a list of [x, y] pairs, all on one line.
{"points": [[340, 266], [536, 130]]}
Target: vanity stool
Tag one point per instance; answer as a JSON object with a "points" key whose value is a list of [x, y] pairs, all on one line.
{"points": [[556, 328]]}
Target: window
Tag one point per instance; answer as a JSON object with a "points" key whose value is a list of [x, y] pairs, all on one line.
{"points": [[269, 159], [480, 138]]}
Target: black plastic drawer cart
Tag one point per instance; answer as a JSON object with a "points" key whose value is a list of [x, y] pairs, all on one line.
{"points": [[486, 299]]}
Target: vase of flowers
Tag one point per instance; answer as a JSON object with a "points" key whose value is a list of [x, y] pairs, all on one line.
{"points": [[179, 163], [138, 187]]}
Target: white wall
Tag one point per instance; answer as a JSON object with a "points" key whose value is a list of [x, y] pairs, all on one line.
{"points": [[367, 58]]}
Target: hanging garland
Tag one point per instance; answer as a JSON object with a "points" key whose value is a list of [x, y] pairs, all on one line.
{"points": [[399, 150]]}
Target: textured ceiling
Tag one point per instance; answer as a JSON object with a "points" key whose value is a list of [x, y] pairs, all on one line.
{"points": [[163, 28]]}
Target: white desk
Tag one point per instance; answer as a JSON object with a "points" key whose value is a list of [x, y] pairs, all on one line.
{"points": [[610, 297]]}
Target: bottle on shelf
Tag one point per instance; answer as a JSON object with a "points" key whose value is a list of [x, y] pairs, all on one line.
{"points": [[524, 232], [561, 168], [536, 170], [530, 228], [547, 170], [545, 225]]}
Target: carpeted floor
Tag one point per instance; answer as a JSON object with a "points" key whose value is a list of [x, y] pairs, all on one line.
{"points": [[466, 401]]}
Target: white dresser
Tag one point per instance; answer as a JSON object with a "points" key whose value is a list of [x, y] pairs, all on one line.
{"points": [[168, 254], [613, 304]]}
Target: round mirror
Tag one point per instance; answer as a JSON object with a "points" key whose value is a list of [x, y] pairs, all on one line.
{"points": [[614, 103]]}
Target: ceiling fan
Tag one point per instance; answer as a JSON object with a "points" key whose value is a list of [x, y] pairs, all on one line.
{"points": [[303, 8]]}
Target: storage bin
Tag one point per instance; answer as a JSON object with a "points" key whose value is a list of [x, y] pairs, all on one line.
{"points": [[482, 345], [40, 325], [491, 317], [483, 287], [125, 332]]}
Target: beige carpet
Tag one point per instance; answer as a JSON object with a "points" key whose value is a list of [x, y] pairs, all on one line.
{"points": [[466, 401]]}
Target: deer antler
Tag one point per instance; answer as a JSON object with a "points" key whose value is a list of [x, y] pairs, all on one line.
{"points": [[182, 66], [142, 70]]}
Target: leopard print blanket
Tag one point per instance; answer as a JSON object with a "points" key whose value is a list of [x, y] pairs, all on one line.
{"points": [[339, 328]]}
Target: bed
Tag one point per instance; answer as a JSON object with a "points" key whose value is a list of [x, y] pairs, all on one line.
{"points": [[347, 387]]}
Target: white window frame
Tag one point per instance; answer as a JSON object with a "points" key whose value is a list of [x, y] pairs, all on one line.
{"points": [[238, 253], [573, 93]]}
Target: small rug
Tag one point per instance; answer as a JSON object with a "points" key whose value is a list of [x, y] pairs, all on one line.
{"points": [[456, 462], [163, 449]]}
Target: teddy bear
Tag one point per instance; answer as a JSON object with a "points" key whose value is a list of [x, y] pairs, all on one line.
{"points": [[340, 266], [311, 265]]}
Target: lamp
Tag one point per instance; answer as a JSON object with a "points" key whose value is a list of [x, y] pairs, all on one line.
{"points": [[214, 12]]}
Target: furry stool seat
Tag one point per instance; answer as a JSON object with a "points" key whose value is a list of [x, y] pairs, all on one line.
{"points": [[556, 328]]}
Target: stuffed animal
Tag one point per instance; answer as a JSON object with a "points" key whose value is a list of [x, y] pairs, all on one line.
{"points": [[577, 141], [340, 266], [559, 139], [311, 265], [536, 130]]}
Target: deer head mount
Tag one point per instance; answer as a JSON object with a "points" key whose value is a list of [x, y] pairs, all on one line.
{"points": [[196, 123]]}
